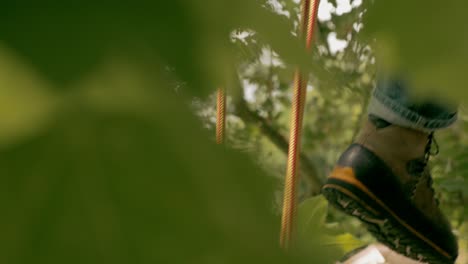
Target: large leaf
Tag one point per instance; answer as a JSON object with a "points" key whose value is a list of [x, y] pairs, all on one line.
{"points": [[425, 40], [122, 173], [66, 41]]}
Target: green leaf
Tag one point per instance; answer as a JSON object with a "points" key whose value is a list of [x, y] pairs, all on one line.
{"points": [[312, 214], [123, 173], [429, 48], [67, 42], [314, 233], [346, 242]]}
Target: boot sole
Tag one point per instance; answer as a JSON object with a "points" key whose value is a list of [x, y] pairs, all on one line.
{"points": [[383, 223]]}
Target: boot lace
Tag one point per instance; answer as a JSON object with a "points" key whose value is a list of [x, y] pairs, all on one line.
{"points": [[428, 152], [432, 149]]}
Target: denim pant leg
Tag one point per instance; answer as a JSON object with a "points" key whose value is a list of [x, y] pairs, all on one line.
{"points": [[391, 102]]}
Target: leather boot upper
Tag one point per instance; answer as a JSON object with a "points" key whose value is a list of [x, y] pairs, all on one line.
{"points": [[405, 152]]}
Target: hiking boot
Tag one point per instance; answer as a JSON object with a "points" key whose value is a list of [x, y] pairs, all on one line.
{"points": [[383, 179]]}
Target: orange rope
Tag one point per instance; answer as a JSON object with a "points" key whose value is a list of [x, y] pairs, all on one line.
{"points": [[309, 11], [313, 9], [220, 116], [290, 197]]}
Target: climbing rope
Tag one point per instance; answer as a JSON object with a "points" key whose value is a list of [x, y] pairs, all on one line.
{"points": [[309, 12], [220, 116]]}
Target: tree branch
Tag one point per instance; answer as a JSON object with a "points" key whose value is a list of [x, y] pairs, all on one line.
{"points": [[308, 169]]}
